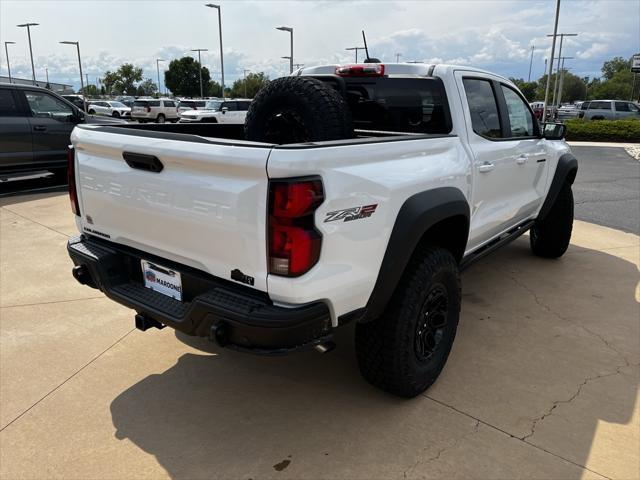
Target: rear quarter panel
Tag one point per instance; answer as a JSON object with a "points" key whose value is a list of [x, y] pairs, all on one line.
{"points": [[383, 174]]}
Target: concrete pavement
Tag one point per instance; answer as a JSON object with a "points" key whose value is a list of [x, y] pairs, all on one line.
{"points": [[542, 381]]}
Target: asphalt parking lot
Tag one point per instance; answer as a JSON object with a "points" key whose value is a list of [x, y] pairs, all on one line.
{"points": [[542, 381]]}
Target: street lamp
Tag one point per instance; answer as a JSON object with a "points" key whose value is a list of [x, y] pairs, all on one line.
{"points": [[158, 60], [290, 30], [200, 69], [555, 85], [29, 25], [217, 7], [357, 49], [6, 51], [77, 44], [553, 49]]}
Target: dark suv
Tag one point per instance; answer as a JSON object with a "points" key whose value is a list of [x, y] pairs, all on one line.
{"points": [[35, 128]]}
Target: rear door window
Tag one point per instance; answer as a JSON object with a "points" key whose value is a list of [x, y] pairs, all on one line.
{"points": [[483, 107], [622, 107], [169, 103], [600, 106], [8, 104]]}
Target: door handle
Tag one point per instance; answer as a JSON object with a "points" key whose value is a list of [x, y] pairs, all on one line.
{"points": [[486, 167], [40, 128], [522, 159]]}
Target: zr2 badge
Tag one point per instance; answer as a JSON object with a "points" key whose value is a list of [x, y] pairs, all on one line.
{"points": [[349, 214]]}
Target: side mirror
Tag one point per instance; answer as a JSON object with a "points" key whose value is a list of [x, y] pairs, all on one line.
{"points": [[554, 131], [79, 116], [224, 109]]}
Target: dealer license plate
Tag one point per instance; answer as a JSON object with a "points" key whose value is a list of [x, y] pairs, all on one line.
{"points": [[162, 280]]}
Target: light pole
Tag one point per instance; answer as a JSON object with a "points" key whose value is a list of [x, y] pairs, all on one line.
{"points": [[561, 83], [533, 47], [29, 25], [77, 44], [555, 85], [200, 69], [217, 7], [6, 51], [290, 30], [398, 55], [158, 60], [356, 49], [244, 80], [553, 51]]}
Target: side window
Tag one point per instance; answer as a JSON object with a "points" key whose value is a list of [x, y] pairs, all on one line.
{"points": [[584, 106], [8, 105], [600, 106], [622, 107], [43, 105], [168, 103], [154, 103], [520, 117], [230, 105], [244, 106], [483, 107], [633, 107]]}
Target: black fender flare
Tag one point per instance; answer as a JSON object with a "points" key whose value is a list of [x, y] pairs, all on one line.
{"points": [[417, 215], [565, 172]]}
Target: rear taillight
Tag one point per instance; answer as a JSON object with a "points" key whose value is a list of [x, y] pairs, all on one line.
{"points": [[361, 70], [294, 242], [71, 179], [148, 109]]}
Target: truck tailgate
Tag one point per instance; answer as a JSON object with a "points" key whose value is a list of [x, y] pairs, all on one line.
{"points": [[206, 208]]}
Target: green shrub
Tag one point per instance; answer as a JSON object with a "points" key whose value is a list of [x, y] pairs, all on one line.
{"points": [[604, 130]]}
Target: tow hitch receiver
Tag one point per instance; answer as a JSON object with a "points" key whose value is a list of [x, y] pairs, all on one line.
{"points": [[144, 323]]}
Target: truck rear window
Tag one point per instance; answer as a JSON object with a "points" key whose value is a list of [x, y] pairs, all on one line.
{"points": [[414, 105]]}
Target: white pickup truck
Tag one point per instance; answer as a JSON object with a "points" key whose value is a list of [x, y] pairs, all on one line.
{"points": [[370, 188]]}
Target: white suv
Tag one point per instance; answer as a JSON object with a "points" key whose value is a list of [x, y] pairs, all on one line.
{"points": [[152, 110], [217, 111], [110, 108]]}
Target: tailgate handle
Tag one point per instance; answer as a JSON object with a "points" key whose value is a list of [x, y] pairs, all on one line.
{"points": [[141, 161]]}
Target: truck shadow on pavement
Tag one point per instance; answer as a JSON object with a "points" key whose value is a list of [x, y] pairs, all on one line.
{"points": [[545, 355]]}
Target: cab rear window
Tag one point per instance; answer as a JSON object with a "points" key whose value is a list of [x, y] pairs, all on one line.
{"points": [[399, 105]]}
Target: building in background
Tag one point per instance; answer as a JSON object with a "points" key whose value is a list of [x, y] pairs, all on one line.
{"points": [[59, 88]]}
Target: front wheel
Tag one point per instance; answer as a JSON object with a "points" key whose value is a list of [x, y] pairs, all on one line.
{"points": [[404, 350], [92, 112], [550, 237], [115, 115]]}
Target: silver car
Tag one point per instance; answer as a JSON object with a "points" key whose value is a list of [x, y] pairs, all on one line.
{"points": [[609, 110]]}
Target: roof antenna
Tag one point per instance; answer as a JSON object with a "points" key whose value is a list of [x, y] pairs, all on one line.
{"points": [[366, 50]]}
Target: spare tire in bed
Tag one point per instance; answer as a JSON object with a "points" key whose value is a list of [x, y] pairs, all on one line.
{"points": [[296, 110]]}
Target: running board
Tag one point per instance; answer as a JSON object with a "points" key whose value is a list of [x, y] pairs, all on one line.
{"points": [[507, 237]]}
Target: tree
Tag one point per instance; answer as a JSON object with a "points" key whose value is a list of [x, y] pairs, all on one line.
{"points": [[89, 90], [528, 89], [573, 87], [215, 89], [615, 65], [146, 88], [183, 78], [250, 85], [123, 80]]}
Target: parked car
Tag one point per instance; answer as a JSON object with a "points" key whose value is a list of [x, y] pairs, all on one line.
{"points": [[537, 108], [152, 110], [189, 104], [608, 110], [127, 100], [35, 128], [217, 111], [77, 100], [359, 204], [109, 108], [566, 112]]}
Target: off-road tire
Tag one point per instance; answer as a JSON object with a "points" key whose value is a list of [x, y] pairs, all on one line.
{"points": [[549, 237], [160, 118], [387, 348], [296, 110]]}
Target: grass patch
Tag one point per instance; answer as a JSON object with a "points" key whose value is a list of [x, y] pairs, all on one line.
{"points": [[603, 130]]}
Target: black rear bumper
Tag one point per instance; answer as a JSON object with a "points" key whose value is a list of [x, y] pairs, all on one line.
{"points": [[232, 315]]}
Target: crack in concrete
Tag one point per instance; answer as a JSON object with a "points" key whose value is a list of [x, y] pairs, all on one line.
{"points": [[555, 404], [436, 457]]}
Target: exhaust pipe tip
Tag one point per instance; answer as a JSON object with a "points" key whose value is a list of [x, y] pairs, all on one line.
{"points": [[324, 347]]}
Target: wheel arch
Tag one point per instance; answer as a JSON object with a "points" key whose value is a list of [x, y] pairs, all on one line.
{"points": [[440, 217], [566, 171]]}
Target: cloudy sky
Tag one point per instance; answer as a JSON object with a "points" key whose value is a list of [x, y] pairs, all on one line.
{"points": [[493, 34]]}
